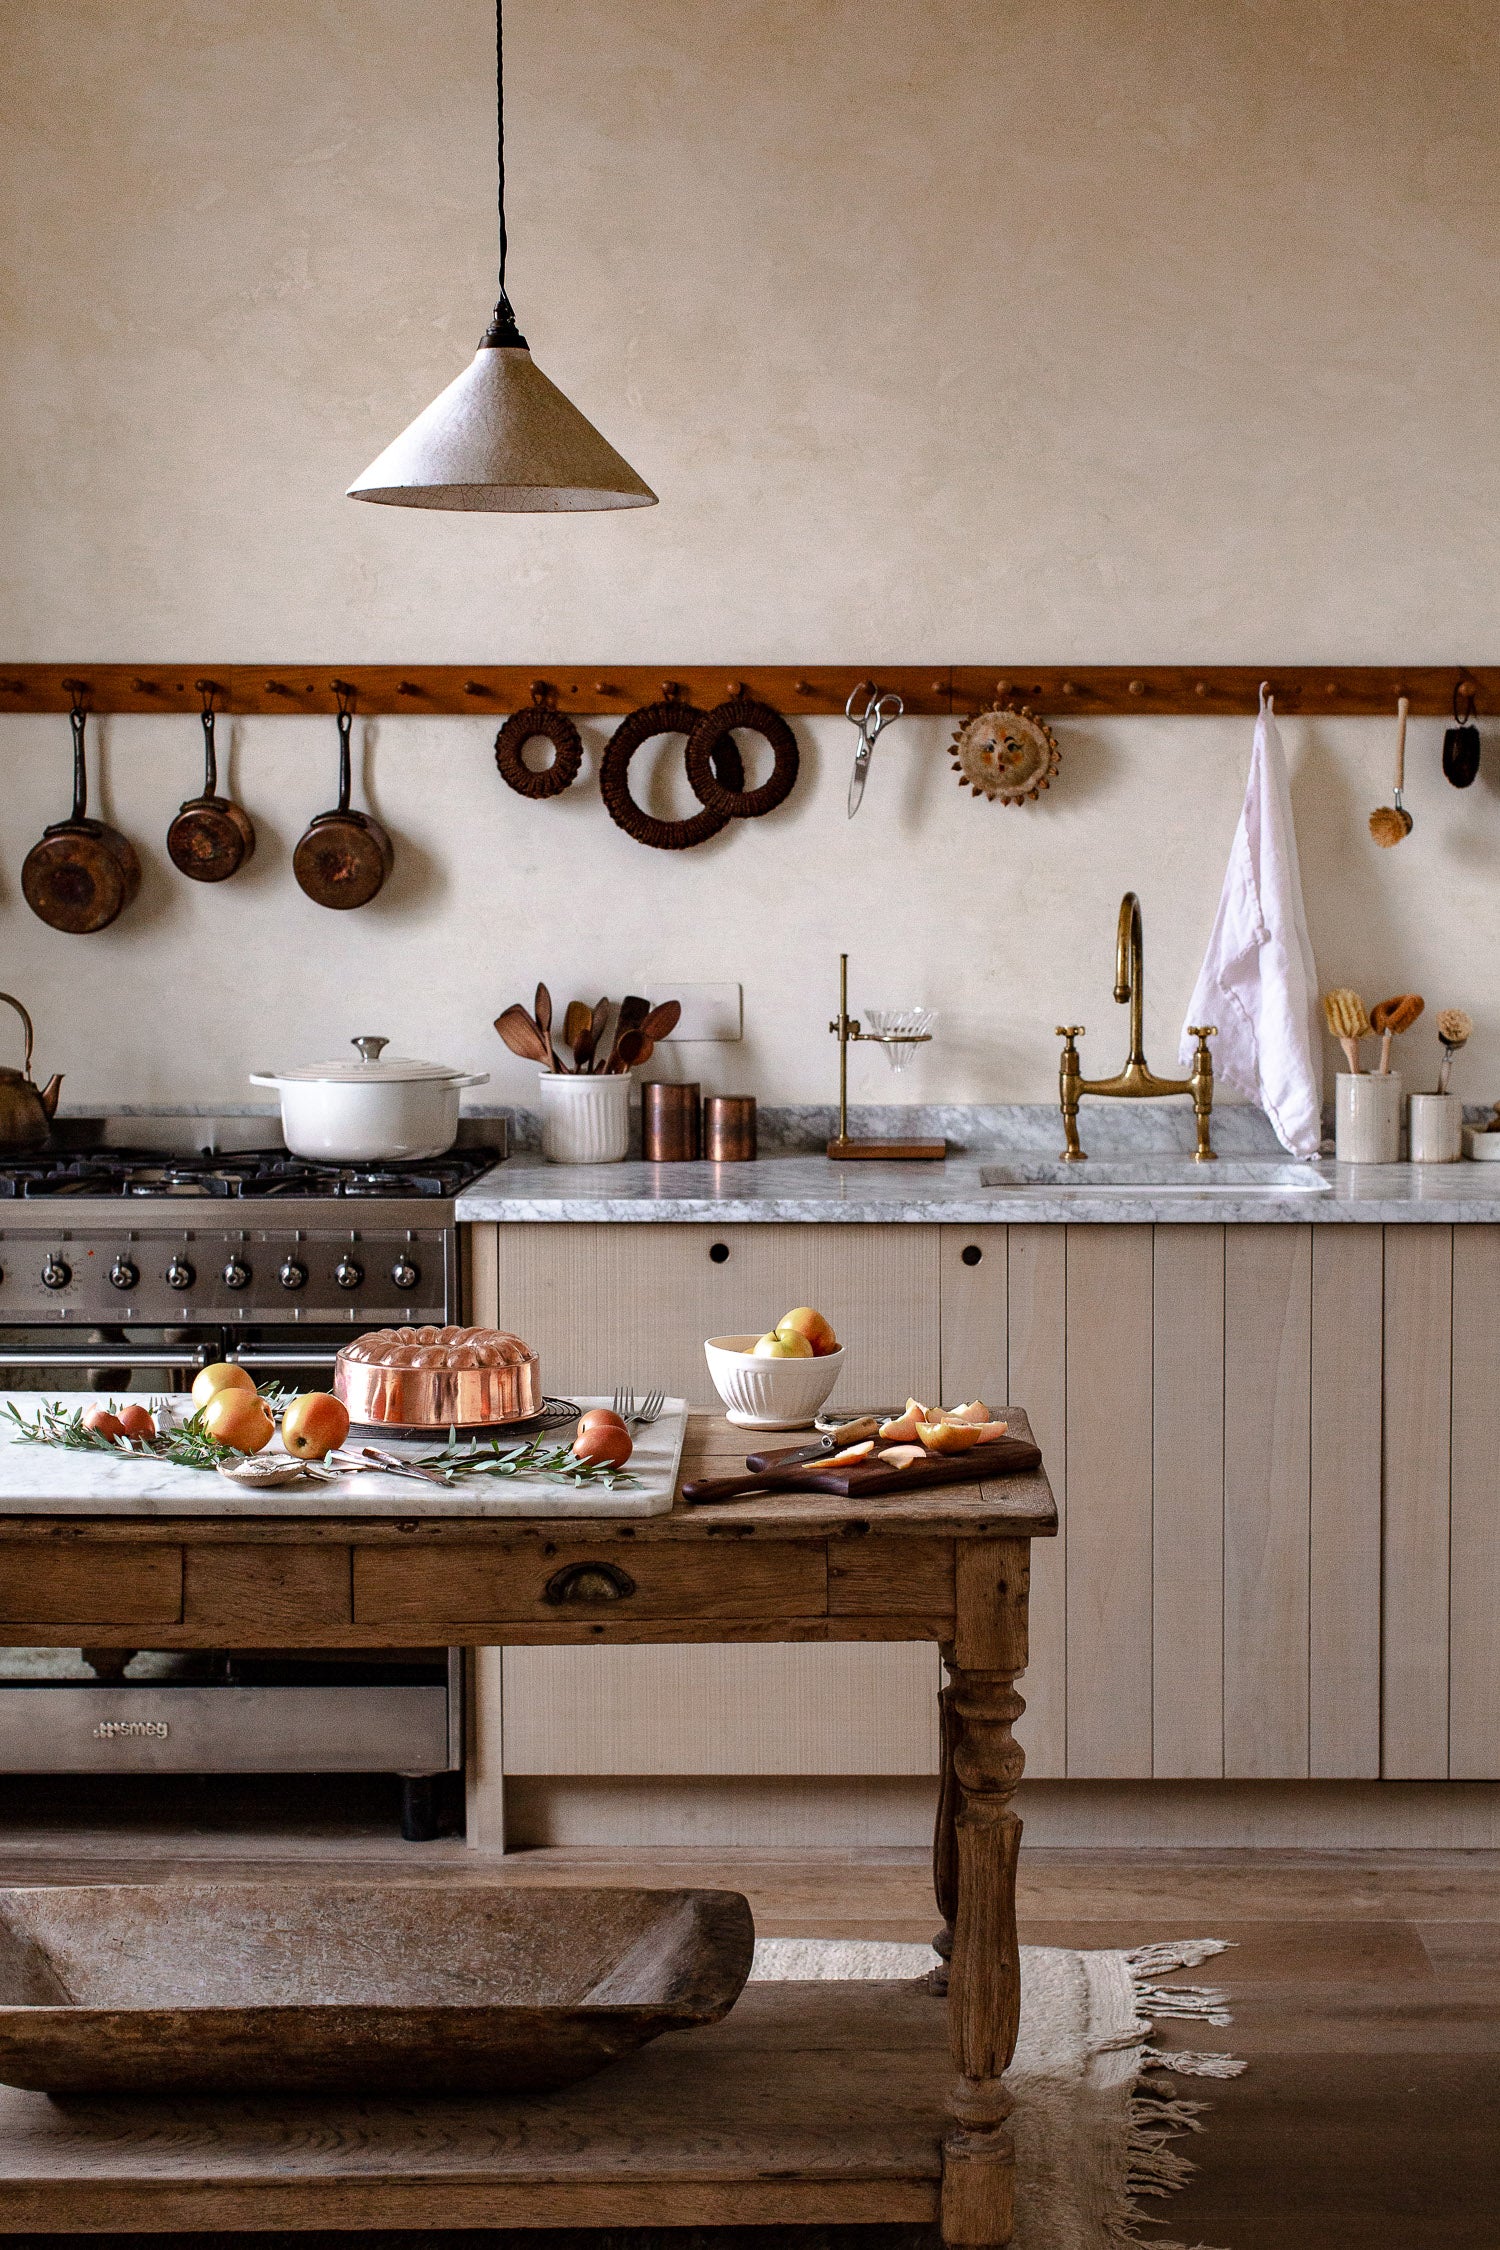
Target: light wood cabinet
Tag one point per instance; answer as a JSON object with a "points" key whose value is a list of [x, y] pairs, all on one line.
{"points": [[1275, 1452]]}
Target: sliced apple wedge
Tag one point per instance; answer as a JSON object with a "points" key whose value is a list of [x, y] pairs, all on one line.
{"points": [[903, 1456], [903, 1429], [850, 1453], [976, 1411], [989, 1431], [950, 1437]]}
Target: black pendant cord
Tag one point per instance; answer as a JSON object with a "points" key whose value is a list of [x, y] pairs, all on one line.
{"points": [[502, 329]]}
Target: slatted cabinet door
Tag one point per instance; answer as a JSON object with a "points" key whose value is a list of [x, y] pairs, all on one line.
{"points": [[605, 1304], [1474, 1577], [1109, 1559], [1267, 1498], [1187, 1525], [1418, 1425]]}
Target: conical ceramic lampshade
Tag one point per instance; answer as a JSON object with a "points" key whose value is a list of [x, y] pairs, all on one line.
{"points": [[502, 438]]}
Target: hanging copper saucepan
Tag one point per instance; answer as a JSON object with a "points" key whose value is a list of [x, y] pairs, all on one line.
{"points": [[211, 838], [83, 872], [344, 857]]}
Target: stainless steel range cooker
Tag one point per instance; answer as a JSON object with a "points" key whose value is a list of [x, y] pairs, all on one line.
{"points": [[129, 1268]]}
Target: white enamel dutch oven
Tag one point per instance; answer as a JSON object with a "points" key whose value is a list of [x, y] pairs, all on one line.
{"points": [[351, 1112]]}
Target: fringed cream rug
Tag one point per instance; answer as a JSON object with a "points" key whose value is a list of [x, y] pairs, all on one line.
{"points": [[1097, 2118]]}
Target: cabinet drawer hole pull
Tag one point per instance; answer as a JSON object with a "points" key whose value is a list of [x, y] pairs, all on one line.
{"points": [[971, 1253], [589, 1582], [719, 1252]]}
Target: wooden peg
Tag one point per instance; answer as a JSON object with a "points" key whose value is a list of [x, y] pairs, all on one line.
{"points": [[409, 687], [1137, 687], [804, 687], [477, 687]]}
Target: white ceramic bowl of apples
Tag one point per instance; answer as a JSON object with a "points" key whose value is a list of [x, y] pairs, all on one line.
{"points": [[778, 1380]]}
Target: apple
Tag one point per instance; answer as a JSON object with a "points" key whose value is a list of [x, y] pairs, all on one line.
{"points": [[601, 1418], [950, 1437], [136, 1422], [220, 1377], [314, 1424], [812, 1325], [903, 1429], [782, 1343], [239, 1418], [103, 1423], [603, 1443]]}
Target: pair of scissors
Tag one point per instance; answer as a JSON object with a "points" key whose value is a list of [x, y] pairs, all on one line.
{"points": [[881, 707]]}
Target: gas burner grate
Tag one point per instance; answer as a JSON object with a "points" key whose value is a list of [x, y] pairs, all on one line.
{"points": [[222, 1175]]}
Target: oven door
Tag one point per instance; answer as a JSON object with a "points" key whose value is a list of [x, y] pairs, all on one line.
{"points": [[161, 1359]]}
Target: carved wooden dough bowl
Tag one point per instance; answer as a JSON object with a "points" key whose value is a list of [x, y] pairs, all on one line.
{"points": [[242, 1987]]}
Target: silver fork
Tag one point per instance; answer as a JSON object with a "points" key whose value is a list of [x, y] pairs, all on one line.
{"points": [[624, 1403], [650, 1410]]}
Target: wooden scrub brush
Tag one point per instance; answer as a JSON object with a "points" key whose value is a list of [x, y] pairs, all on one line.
{"points": [[1391, 824], [1455, 1029], [1345, 1014], [1388, 1018]]}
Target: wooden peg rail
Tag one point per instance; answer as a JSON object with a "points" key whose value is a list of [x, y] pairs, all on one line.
{"points": [[814, 690]]}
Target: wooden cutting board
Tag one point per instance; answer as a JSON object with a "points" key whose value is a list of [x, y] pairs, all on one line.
{"points": [[792, 1471]]}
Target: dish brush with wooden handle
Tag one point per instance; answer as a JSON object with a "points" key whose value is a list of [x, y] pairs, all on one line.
{"points": [[1388, 1018], [1455, 1028], [1345, 1014], [1390, 824]]}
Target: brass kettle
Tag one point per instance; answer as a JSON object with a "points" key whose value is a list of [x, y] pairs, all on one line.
{"points": [[26, 1110]]}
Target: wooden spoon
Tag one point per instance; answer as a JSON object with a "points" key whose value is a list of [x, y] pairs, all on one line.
{"points": [[521, 1035], [576, 1022], [544, 1023], [596, 1033], [664, 1020], [631, 1051], [633, 1013]]}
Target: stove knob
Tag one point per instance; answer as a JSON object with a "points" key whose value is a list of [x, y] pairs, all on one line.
{"points": [[405, 1276], [347, 1274], [55, 1273], [236, 1275], [292, 1276], [179, 1274], [123, 1275]]}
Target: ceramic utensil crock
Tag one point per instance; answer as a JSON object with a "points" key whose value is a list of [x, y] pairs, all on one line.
{"points": [[1367, 1117]]}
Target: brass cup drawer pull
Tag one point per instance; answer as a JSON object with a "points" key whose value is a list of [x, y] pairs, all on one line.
{"points": [[588, 1582]]}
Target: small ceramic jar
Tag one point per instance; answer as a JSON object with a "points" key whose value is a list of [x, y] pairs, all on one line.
{"points": [[1367, 1117], [585, 1119], [1435, 1128]]}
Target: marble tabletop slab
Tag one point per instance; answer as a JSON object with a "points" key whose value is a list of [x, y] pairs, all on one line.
{"points": [[44, 1480], [808, 1188]]}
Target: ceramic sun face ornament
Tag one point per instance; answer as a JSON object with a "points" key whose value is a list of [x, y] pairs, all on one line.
{"points": [[1006, 755]]}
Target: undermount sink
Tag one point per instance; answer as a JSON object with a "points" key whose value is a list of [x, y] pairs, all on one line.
{"points": [[1155, 1175]]}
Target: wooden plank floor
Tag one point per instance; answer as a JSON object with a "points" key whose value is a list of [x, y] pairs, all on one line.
{"points": [[1365, 1991]]}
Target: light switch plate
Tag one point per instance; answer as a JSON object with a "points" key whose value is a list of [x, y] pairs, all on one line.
{"points": [[709, 1011]]}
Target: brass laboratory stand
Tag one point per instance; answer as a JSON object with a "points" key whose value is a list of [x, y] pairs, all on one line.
{"points": [[841, 1149]]}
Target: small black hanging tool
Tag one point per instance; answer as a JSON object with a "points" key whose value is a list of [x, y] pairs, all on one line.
{"points": [[1461, 740]]}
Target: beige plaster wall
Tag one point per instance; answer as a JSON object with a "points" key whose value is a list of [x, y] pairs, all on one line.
{"points": [[972, 329]]}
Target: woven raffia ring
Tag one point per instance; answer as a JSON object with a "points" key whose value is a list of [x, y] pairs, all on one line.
{"points": [[670, 717], [1011, 755], [524, 726], [707, 738]]}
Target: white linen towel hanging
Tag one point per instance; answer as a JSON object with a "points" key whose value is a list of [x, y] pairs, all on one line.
{"points": [[1259, 982]]}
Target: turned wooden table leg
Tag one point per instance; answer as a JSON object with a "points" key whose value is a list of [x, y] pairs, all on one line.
{"points": [[984, 1990], [945, 1831]]}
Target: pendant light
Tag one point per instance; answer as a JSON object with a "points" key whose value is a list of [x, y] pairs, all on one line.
{"points": [[501, 438]]}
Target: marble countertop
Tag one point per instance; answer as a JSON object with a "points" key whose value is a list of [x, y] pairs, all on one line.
{"points": [[1158, 1188], [52, 1481]]}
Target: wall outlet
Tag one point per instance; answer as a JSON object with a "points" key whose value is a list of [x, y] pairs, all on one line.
{"points": [[709, 1011]]}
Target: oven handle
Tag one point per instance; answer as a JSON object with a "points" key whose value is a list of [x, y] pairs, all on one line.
{"points": [[160, 1355]]}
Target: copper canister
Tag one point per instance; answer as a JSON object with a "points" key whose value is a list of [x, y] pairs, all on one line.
{"points": [[669, 1122], [729, 1128], [437, 1378]]}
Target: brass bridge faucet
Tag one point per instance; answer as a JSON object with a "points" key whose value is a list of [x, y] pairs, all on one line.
{"points": [[1136, 1082]]}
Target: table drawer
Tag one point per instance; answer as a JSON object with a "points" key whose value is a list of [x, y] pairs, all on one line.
{"points": [[89, 1585], [466, 1586]]}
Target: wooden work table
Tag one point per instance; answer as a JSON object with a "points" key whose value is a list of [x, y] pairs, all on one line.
{"points": [[950, 1565]]}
